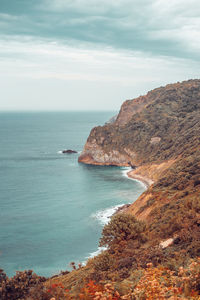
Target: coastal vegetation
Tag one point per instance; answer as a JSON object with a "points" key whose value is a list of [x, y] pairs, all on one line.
{"points": [[153, 246]]}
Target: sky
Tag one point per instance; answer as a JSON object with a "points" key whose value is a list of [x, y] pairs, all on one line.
{"points": [[93, 54]]}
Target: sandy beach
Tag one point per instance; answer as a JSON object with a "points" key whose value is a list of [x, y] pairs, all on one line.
{"points": [[147, 181]]}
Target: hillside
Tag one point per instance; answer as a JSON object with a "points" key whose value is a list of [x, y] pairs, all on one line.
{"points": [[153, 247], [160, 139], [159, 136]]}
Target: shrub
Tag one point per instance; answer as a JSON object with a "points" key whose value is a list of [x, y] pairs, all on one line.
{"points": [[18, 286], [102, 262], [122, 227]]}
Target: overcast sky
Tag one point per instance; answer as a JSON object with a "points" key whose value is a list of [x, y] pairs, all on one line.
{"points": [[94, 54]]}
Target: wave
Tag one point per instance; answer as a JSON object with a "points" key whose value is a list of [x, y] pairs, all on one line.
{"points": [[103, 216], [60, 152], [125, 174], [97, 252], [126, 168]]}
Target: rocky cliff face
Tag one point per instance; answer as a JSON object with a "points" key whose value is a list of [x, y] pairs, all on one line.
{"points": [[95, 153], [150, 128], [157, 133]]}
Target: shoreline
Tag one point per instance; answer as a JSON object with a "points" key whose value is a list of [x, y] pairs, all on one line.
{"points": [[145, 180], [124, 207]]}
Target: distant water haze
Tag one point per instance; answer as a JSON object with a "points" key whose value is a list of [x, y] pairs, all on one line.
{"points": [[52, 209]]}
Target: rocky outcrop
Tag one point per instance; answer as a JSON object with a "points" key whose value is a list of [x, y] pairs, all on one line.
{"points": [[99, 157], [69, 151], [155, 140], [94, 154]]}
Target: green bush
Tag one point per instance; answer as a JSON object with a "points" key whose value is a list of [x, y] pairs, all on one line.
{"points": [[102, 262], [122, 227]]}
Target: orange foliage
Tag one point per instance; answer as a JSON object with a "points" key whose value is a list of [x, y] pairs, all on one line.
{"points": [[99, 292], [155, 283], [162, 283]]}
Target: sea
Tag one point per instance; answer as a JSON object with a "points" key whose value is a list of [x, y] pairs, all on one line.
{"points": [[52, 208]]}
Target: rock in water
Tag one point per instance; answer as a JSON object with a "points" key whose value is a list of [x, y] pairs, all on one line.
{"points": [[69, 151]]}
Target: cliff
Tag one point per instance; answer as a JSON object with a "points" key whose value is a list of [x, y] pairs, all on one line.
{"points": [[158, 134], [148, 129]]}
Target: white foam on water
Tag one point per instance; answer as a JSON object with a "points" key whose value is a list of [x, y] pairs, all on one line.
{"points": [[126, 168], [97, 252], [103, 216], [93, 254], [125, 174]]}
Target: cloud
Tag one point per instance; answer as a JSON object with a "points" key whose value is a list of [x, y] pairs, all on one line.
{"points": [[158, 27], [91, 6], [104, 50], [38, 59], [179, 23]]}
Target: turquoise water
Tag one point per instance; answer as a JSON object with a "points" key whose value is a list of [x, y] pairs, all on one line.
{"points": [[52, 209]]}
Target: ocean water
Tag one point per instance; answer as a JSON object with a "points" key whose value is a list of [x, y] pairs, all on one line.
{"points": [[53, 209]]}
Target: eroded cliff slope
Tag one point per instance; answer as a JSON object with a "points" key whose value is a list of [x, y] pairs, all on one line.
{"points": [[159, 135], [151, 128]]}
